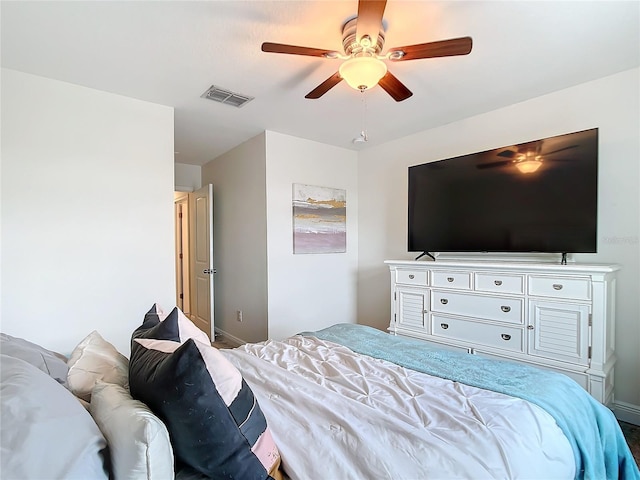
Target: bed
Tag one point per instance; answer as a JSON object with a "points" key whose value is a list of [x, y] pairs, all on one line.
{"points": [[433, 413], [346, 402], [367, 418]]}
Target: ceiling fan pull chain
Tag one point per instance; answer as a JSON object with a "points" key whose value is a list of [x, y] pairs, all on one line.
{"points": [[364, 115], [362, 137]]}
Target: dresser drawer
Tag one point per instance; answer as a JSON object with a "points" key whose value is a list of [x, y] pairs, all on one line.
{"points": [[460, 280], [499, 282], [496, 336], [411, 277], [501, 309], [560, 287]]}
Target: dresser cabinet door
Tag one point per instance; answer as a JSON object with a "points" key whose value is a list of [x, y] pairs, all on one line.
{"points": [[560, 331], [412, 308]]}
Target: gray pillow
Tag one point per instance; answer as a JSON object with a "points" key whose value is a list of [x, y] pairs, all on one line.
{"points": [[51, 363], [46, 433]]}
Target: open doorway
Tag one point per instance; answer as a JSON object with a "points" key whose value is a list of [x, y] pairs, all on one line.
{"points": [[193, 213], [181, 218]]}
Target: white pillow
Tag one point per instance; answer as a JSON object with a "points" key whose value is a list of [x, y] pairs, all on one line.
{"points": [[138, 440], [93, 360]]}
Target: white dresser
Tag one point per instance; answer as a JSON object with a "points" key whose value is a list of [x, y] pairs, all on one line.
{"points": [[560, 317]]}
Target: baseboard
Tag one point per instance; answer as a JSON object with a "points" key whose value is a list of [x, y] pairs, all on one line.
{"points": [[627, 412], [230, 339]]}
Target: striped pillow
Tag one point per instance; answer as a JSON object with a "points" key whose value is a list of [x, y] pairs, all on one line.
{"points": [[214, 421]]}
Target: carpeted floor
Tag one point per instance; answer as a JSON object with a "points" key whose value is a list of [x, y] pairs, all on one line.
{"points": [[221, 344], [632, 434]]}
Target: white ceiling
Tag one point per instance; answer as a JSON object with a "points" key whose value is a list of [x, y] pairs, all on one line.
{"points": [[171, 52]]}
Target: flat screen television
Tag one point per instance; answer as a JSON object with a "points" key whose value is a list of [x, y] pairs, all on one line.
{"points": [[539, 196]]}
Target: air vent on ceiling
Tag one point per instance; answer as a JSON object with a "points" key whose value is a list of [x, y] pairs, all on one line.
{"points": [[221, 95]]}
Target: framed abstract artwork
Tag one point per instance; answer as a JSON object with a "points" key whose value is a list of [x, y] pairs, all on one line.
{"points": [[319, 219]]}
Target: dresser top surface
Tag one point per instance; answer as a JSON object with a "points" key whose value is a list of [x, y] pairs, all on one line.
{"points": [[550, 267]]}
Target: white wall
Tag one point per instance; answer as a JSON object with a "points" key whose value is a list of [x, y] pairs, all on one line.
{"points": [[612, 105], [187, 178], [308, 292], [240, 239], [279, 293], [87, 223]]}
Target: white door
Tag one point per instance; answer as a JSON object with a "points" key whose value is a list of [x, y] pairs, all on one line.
{"points": [[201, 213]]}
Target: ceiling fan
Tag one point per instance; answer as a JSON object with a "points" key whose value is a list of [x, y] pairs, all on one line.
{"points": [[363, 42], [527, 157]]}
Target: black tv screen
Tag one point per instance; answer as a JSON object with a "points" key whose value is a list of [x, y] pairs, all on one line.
{"points": [[492, 201]]}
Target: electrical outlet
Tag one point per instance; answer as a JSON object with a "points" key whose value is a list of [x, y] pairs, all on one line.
{"points": [[239, 315]]}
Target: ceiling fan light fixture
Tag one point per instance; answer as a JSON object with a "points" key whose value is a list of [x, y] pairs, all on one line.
{"points": [[363, 73], [363, 39], [528, 166]]}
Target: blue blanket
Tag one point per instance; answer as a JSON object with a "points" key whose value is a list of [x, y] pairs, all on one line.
{"points": [[599, 447]]}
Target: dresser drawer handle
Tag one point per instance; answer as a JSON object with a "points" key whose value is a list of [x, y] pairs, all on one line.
{"points": [[411, 277], [449, 279], [505, 308], [498, 282], [444, 326], [444, 301], [506, 336], [557, 286]]}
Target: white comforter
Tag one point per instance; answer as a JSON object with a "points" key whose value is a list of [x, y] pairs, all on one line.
{"points": [[335, 414]]}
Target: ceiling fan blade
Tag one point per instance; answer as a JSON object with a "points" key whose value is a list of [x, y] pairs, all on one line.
{"points": [[507, 154], [442, 48], [295, 50], [369, 22], [494, 164], [558, 150], [394, 87], [325, 86], [512, 153]]}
